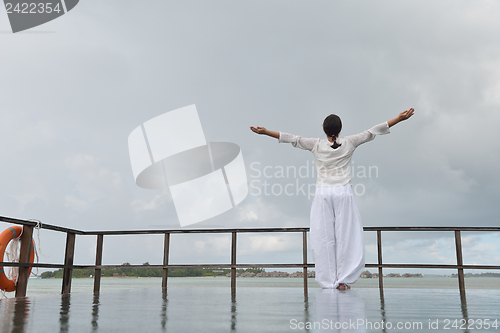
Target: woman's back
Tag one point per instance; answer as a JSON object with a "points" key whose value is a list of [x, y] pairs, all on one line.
{"points": [[334, 165]]}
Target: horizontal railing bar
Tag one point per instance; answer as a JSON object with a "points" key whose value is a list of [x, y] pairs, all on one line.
{"points": [[181, 231], [211, 266], [433, 266], [202, 266], [42, 226], [201, 231], [16, 264], [431, 228], [42, 265], [197, 231]]}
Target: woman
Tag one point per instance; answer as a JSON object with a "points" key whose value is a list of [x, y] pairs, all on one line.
{"points": [[337, 242]]}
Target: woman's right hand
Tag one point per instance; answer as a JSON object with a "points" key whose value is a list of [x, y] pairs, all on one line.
{"points": [[406, 114]]}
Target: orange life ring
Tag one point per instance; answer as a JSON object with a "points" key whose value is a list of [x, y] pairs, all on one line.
{"points": [[6, 236]]}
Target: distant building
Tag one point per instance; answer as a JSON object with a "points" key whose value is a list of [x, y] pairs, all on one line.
{"points": [[273, 274], [366, 275], [412, 275], [310, 274], [393, 275], [299, 274]]}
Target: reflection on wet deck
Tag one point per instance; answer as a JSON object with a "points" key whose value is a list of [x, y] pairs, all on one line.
{"points": [[202, 309]]}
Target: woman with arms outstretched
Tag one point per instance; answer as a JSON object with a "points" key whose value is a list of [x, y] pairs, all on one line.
{"points": [[337, 242]]}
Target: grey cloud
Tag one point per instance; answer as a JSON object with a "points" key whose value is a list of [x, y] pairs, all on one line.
{"points": [[283, 65]]}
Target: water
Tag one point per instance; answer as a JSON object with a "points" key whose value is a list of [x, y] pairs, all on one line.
{"points": [[37, 287], [259, 305]]}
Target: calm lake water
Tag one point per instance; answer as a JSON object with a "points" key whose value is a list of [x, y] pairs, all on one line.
{"points": [[38, 286], [429, 304]]}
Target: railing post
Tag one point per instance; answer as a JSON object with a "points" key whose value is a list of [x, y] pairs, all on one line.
{"points": [[166, 246], [68, 261], [458, 244], [98, 262], [304, 259], [233, 261], [22, 282], [380, 273]]}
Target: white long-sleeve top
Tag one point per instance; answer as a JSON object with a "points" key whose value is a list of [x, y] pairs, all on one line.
{"points": [[334, 165]]}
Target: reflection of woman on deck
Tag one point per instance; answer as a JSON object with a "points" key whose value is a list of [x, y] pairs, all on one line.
{"points": [[338, 311], [337, 241]]}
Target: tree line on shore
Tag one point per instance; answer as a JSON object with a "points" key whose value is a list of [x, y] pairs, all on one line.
{"points": [[149, 272], [198, 271]]}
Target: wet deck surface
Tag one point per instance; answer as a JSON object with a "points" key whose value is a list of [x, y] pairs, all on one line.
{"points": [[215, 309]]}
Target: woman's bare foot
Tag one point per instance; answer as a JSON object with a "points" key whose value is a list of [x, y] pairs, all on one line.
{"points": [[343, 286]]}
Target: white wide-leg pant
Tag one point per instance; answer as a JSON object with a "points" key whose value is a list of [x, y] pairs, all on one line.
{"points": [[337, 241]]}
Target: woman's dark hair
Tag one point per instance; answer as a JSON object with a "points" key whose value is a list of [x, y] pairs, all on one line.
{"points": [[332, 125]]}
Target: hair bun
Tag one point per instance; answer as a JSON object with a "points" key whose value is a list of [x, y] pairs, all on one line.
{"points": [[335, 144]]}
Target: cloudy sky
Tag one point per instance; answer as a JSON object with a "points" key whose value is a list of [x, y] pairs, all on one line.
{"points": [[72, 91]]}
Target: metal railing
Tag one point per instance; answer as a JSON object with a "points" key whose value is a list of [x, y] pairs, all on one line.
{"points": [[68, 265]]}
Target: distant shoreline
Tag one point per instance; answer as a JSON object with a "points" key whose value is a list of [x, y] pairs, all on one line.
{"points": [[269, 277]]}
